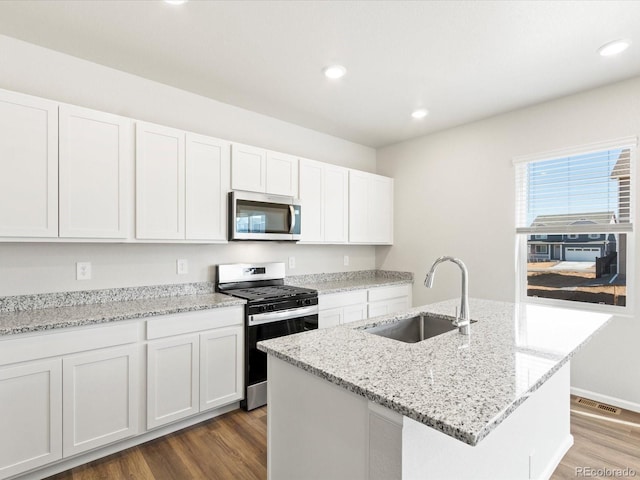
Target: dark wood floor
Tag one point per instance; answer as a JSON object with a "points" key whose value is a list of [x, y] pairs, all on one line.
{"points": [[234, 446]]}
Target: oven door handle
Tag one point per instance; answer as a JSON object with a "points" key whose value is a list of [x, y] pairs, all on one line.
{"points": [[270, 317]]}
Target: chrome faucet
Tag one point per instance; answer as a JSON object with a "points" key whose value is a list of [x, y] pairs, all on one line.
{"points": [[462, 321]]}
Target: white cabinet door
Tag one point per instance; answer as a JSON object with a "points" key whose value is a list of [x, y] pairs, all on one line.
{"points": [[221, 367], [330, 318], [311, 196], [248, 168], [336, 201], [95, 160], [282, 174], [207, 185], [172, 379], [370, 208], [381, 211], [353, 313], [100, 391], [358, 207], [31, 416], [28, 166], [159, 182]]}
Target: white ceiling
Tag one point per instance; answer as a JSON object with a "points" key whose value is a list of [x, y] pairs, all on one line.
{"points": [[462, 60]]}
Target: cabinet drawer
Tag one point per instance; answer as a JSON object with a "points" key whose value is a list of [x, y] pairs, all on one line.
{"points": [[341, 299], [180, 323], [384, 293], [45, 344]]}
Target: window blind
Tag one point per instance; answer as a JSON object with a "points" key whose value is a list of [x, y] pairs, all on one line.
{"points": [[577, 191]]}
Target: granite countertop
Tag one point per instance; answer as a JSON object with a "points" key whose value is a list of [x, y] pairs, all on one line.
{"points": [[37, 312], [347, 281], [463, 386], [34, 320]]}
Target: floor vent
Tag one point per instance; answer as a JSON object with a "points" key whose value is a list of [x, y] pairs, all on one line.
{"points": [[598, 406]]}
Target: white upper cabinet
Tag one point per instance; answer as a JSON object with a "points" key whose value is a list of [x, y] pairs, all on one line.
{"points": [[159, 182], [282, 174], [336, 204], [370, 208], [95, 160], [207, 185], [324, 196], [311, 192], [28, 166], [248, 168], [257, 170]]}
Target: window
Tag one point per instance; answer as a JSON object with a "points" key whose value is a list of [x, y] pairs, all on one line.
{"points": [[540, 237], [582, 199]]}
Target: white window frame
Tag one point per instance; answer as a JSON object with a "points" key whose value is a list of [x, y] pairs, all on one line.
{"points": [[573, 236], [541, 236], [546, 250], [521, 251], [595, 236]]}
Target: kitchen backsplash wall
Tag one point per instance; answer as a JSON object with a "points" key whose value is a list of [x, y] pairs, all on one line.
{"points": [[42, 268]]}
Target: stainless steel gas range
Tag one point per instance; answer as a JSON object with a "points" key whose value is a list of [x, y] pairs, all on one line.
{"points": [[273, 310]]}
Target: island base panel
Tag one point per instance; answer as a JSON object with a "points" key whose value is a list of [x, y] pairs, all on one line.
{"points": [[318, 430]]}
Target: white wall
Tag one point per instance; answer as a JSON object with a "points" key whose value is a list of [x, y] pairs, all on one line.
{"points": [[38, 268], [455, 194]]}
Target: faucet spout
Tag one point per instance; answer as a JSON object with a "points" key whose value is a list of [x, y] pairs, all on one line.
{"points": [[463, 321]]}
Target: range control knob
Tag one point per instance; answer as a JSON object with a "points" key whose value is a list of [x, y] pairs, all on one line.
{"points": [[261, 308]]}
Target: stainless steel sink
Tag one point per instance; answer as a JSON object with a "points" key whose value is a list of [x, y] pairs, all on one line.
{"points": [[415, 329]]}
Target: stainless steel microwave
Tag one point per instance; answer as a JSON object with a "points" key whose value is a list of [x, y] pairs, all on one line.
{"points": [[259, 216]]}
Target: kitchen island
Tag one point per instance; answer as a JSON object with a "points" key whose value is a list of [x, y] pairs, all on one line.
{"points": [[344, 403]]}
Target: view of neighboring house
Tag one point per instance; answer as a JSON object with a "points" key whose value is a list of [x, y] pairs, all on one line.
{"points": [[571, 247]]}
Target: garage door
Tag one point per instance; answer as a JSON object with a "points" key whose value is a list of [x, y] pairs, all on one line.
{"points": [[574, 254]]}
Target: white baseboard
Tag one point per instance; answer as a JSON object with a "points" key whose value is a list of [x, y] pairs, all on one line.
{"points": [[557, 458], [616, 402]]}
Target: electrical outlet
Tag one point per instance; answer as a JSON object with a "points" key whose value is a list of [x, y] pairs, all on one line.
{"points": [[83, 270], [292, 262], [182, 266], [346, 260]]}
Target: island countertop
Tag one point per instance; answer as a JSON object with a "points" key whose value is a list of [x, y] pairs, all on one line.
{"points": [[463, 386]]}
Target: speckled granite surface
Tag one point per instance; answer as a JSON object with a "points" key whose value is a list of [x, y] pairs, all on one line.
{"points": [[19, 303], [463, 386], [326, 283], [49, 318], [31, 313]]}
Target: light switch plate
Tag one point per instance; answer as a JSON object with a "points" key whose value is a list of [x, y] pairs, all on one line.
{"points": [[292, 262], [182, 266], [346, 260]]}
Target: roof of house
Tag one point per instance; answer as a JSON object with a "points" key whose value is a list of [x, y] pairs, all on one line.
{"points": [[574, 219], [622, 167]]}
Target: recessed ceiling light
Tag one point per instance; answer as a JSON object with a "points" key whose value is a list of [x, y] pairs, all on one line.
{"points": [[175, 2], [335, 71], [613, 48], [420, 113]]}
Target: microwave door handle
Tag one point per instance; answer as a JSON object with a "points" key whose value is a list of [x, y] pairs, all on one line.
{"points": [[292, 216]]}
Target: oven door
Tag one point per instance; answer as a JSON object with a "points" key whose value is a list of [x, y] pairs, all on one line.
{"points": [[255, 216], [256, 361]]}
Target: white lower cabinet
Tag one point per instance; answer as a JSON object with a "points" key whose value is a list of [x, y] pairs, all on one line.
{"points": [[345, 307], [172, 379], [387, 300], [195, 364], [100, 390], [31, 416], [221, 362]]}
